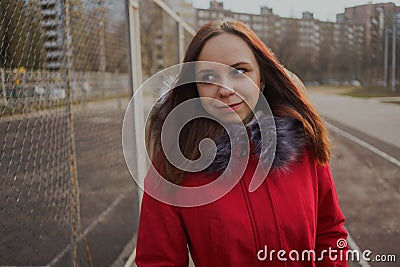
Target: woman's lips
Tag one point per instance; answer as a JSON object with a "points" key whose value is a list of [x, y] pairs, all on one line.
{"points": [[231, 107]]}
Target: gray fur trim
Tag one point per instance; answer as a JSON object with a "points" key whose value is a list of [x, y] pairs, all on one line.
{"points": [[290, 142]]}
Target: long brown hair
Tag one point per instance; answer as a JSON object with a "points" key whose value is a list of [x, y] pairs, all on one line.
{"points": [[283, 96]]}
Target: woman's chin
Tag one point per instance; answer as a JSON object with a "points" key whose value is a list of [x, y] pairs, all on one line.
{"points": [[231, 119]]}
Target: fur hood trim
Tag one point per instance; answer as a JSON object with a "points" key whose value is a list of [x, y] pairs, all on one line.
{"points": [[290, 143]]}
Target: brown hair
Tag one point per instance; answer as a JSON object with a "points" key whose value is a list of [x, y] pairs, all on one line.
{"points": [[283, 96]]}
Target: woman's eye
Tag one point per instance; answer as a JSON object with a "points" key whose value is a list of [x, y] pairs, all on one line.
{"points": [[239, 71], [207, 78]]}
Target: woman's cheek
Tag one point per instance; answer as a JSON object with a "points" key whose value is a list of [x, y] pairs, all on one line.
{"points": [[207, 105]]}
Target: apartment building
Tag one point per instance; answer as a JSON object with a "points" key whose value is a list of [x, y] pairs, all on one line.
{"points": [[355, 29], [51, 23], [271, 28], [379, 21], [374, 17], [262, 24]]}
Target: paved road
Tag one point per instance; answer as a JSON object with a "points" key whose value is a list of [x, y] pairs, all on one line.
{"points": [[377, 119], [368, 184], [35, 201]]}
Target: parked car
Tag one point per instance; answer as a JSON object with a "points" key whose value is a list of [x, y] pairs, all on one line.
{"points": [[355, 83], [57, 94], [39, 90]]}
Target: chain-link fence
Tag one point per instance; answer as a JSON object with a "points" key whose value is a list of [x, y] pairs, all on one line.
{"points": [[63, 92], [66, 195]]}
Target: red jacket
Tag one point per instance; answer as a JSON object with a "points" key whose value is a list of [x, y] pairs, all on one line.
{"points": [[297, 211]]}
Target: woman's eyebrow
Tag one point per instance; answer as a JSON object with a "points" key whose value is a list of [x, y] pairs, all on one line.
{"points": [[239, 63], [204, 70], [232, 66]]}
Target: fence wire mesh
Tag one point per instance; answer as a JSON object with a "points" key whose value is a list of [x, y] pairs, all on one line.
{"points": [[63, 92]]}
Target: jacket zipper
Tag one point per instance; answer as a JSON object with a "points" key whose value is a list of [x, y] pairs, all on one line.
{"points": [[278, 230], [251, 216]]}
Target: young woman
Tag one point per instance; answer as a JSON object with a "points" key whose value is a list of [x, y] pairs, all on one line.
{"points": [[293, 218]]}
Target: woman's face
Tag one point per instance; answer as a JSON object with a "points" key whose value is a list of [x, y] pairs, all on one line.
{"points": [[236, 88]]}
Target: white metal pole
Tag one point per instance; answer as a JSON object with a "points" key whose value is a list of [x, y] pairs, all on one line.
{"points": [[134, 28], [136, 62], [181, 36], [138, 111], [394, 54]]}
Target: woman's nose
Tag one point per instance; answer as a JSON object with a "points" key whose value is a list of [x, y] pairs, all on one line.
{"points": [[225, 91]]}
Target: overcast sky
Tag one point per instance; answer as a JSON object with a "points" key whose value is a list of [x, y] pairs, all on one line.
{"points": [[322, 9]]}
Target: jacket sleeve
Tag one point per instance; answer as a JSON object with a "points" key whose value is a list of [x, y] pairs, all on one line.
{"points": [[331, 235], [161, 239]]}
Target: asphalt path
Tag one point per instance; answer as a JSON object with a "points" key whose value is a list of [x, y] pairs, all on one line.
{"points": [[35, 200], [366, 170]]}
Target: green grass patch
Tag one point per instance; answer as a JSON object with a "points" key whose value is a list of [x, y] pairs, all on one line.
{"points": [[393, 102], [367, 92]]}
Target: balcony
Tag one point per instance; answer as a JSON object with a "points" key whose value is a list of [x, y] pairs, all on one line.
{"points": [[54, 54], [49, 12], [54, 65], [53, 44], [47, 2], [52, 33], [50, 23]]}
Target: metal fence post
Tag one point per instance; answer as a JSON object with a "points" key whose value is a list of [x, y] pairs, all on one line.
{"points": [[76, 226], [136, 63], [72, 164], [3, 86], [135, 82], [394, 54], [181, 36]]}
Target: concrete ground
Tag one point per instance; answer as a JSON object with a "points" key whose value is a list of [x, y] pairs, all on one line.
{"points": [[371, 116], [366, 168], [35, 224]]}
